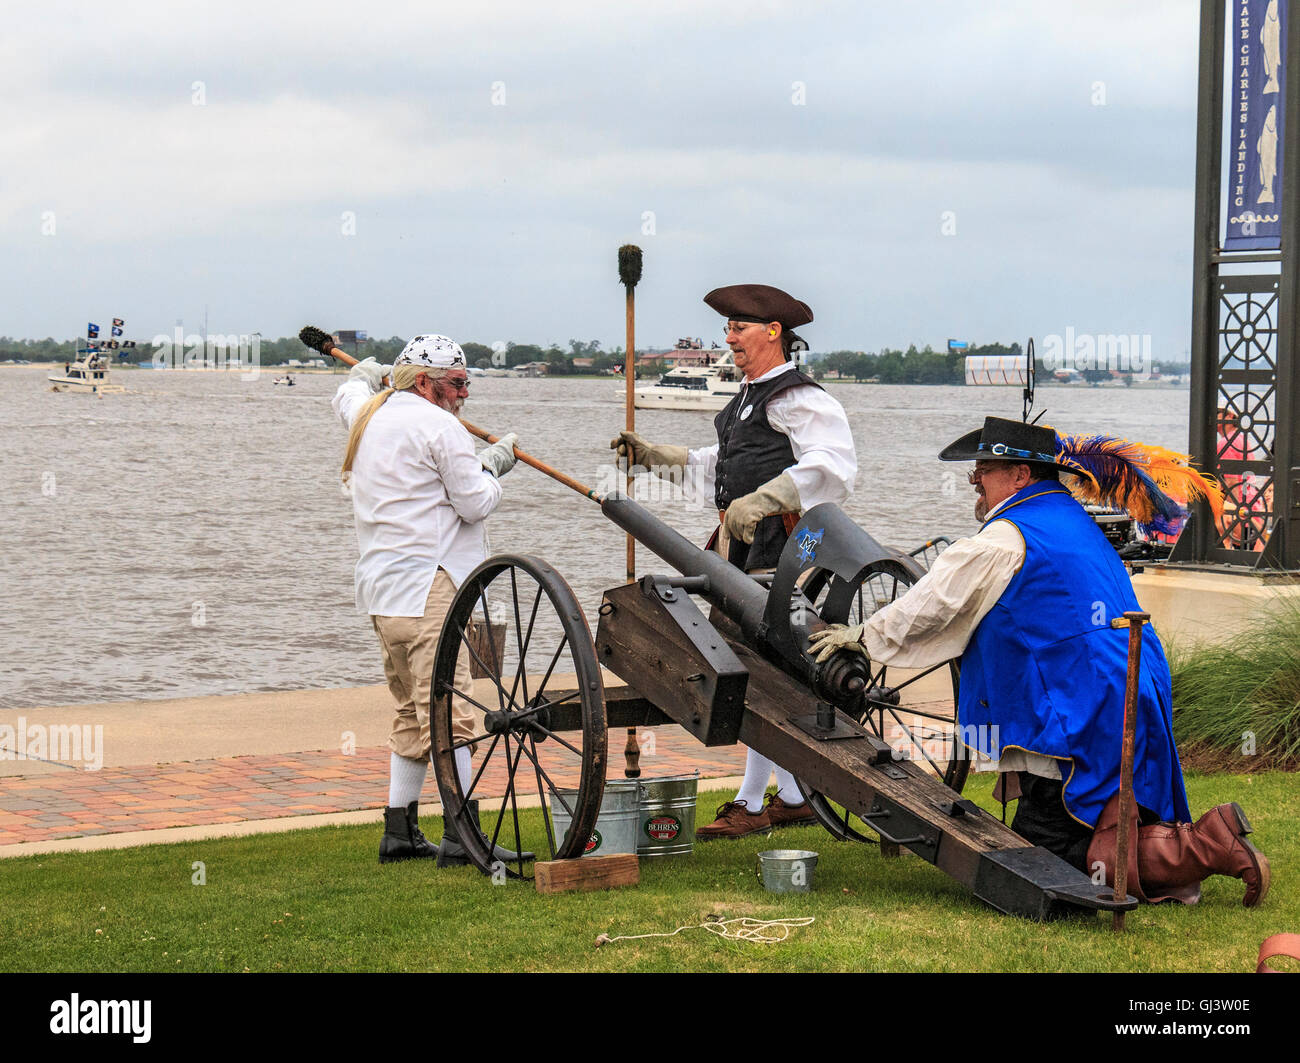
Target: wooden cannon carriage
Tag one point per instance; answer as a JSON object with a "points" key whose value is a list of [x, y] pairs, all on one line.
{"points": [[876, 749]]}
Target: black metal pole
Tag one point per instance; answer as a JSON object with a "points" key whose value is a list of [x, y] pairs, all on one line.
{"points": [[1205, 247]]}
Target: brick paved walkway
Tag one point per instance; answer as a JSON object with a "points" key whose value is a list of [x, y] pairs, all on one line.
{"points": [[233, 789]]}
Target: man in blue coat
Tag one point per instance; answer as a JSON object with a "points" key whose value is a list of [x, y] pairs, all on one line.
{"points": [[1026, 603]]}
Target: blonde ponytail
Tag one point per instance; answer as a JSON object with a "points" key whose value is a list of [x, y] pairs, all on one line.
{"points": [[403, 379]]}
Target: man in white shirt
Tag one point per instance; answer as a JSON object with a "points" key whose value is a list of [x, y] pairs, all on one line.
{"points": [[420, 495], [784, 446]]}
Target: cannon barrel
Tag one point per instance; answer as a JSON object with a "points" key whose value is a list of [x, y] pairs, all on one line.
{"points": [[737, 595]]}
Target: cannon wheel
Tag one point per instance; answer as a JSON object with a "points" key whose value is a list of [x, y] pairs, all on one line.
{"points": [[881, 584], [538, 734]]}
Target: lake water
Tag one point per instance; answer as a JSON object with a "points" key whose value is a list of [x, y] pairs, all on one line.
{"points": [[192, 537]]}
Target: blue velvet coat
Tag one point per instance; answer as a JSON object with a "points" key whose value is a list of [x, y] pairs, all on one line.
{"points": [[1045, 671]]}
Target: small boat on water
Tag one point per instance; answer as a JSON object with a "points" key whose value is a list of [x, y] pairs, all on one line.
{"points": [[707, 385], [89, 373], [286, 380]]}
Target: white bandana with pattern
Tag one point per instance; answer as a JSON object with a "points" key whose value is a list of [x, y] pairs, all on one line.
{"points": [[435, 352]]}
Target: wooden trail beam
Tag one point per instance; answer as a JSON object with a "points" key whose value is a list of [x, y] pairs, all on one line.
{"points": [[692, 676], [910, 807]]}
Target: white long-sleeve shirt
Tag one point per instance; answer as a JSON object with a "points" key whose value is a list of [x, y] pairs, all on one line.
{"points": [[936, 619], [826, 464], [420, 496]]}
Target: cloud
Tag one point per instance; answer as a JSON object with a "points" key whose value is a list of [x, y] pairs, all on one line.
{"points": [[610, 111]]}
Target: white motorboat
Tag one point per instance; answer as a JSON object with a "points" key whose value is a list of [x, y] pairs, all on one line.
{"points": [[89, 374], [707, 385]]}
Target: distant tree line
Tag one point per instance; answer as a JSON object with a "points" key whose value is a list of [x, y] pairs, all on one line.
{"points": [[912, 366], [887, 366]]}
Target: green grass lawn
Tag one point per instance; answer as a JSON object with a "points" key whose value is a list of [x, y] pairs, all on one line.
{"points": [[317, 900]]}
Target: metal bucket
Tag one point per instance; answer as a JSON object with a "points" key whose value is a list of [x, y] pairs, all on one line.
{"points": [[615, 830], [787, 870], [666, 824]]}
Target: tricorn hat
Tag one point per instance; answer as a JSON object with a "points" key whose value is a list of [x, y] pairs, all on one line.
{"points": [[759, 302]]}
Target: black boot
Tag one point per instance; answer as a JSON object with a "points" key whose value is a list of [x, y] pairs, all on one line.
{"points": [[402, 838], [452, 854], [450, 851]]}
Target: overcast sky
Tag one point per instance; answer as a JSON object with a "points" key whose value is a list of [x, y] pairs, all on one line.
{"points": [[494, 156]]}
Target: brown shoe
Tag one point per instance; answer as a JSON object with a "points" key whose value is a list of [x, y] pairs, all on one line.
{"points": [[785, 815], [735, 821]]}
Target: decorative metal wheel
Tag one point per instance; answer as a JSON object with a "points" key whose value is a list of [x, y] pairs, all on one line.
{"points": [[537, 735], [913, 709]]}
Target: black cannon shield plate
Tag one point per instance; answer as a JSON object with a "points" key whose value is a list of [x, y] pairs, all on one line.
{"points": [[827, 540], [656, 640]]}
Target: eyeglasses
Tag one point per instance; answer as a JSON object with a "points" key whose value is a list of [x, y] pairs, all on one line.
{"points": [[983, 469], [459, 383], [738, 326]]}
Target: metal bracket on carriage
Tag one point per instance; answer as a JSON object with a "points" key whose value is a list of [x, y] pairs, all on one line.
{"points": [[668, 586], [961, 807], [827, 725], [910, 829]]}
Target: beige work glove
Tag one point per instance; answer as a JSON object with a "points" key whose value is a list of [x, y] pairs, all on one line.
{"points": [[776, 496], [369, 370], [499, 458], [836, 637], [653, 456]]}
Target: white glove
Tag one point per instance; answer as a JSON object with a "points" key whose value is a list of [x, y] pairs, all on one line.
{"points": [[835, 637], [499, 457], [371, 372]]}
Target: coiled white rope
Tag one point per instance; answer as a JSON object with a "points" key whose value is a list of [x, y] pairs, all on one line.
{"points": [[759, 931]]}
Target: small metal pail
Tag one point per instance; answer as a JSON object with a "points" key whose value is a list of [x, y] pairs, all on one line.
{"points": [[787, 870], [666, 824], [615, 830]]}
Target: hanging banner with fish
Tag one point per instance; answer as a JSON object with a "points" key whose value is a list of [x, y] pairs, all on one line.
{"points": [[1255, 86]]}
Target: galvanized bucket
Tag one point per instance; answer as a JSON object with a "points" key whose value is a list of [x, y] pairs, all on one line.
{"points": [[666, 825], [787, 870], [615, 830]]}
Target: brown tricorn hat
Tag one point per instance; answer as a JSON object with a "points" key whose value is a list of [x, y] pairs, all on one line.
{"points": [[759, 302]]}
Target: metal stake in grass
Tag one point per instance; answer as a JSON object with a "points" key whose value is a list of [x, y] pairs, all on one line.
{"points": [[629, 274], [1127, 801]]}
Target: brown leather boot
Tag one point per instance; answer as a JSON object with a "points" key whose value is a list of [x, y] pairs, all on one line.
{"points": [[1176, 855], [1168, 861]]}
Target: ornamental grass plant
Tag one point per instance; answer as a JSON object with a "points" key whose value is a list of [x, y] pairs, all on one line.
{"points": [[1237, 705]]}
